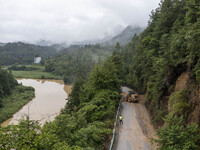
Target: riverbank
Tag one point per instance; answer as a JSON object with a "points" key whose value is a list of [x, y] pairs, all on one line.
{"points": [[67, 87], [50, 98], [11, 104]]}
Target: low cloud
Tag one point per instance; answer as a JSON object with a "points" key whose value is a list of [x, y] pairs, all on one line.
{"points": [[69, 20]]}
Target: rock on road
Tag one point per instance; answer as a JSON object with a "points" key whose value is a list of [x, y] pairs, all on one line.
{"points": [[136, 129]]}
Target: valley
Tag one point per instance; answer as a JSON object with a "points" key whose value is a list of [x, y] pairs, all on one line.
{"points": [[77, 104]]}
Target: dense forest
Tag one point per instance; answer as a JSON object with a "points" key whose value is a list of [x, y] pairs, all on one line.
{"points": [[21, 53], [168, 47], [76, 61]]}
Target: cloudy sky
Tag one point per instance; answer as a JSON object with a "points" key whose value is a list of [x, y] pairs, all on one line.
{"points": [[69, 20]]}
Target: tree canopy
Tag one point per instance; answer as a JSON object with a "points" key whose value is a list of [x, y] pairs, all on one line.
{"points": [[7, 84]]}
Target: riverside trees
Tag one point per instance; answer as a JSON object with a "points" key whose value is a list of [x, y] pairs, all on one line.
{"points": [[7, 84]]}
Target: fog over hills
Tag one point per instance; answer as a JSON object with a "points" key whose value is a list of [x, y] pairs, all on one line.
{"points": [[2, 44], [125, 36], [43, 43], [120, 34]]}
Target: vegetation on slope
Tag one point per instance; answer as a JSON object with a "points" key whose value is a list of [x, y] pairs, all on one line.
{"points": [[167, 47], [176, 136], [76, 61], [155, 59], [14, 102], [21, 53]]}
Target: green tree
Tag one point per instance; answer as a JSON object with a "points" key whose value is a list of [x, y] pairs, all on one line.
{"points": [[28, 135], [193, 7], [74, 97], [117, 47], [175, 136], [117, 59], [105, 77]]}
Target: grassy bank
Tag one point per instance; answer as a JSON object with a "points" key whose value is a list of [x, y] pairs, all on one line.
{"points": [[11, 104], [32, 71]]}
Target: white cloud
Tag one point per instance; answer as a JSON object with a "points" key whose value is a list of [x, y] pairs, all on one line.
{"points": [[69, 20]]}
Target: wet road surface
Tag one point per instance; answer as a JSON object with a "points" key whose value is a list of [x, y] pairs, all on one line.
{"points": [[136, 128]]}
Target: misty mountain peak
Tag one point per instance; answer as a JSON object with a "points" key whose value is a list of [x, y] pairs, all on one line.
{"points": [[125, 36]]}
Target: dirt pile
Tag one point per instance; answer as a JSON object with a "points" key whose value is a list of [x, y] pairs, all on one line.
{"points": [[194, 100], [181, 82]]}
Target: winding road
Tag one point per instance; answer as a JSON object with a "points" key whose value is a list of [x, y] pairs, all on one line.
{"points": [[136, 129]]}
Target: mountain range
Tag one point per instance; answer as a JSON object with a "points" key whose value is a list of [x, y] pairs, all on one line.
{"points": [[125, 36], [23, 53], [120, 34]]}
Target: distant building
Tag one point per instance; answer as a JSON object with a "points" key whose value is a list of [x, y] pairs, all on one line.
{"points": [[37, 60]]}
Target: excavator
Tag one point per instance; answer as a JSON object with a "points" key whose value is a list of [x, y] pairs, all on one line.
{"points": [[131, 96]]}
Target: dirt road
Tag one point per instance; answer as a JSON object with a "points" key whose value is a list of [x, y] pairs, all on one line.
{"points": [[136, 129]]}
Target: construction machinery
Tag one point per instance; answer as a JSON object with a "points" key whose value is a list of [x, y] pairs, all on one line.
{"points": [[132, 96]]}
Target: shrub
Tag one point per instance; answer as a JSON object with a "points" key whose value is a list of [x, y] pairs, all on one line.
{"points": [[178, 103]]}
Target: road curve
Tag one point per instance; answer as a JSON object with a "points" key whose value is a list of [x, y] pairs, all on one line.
{"points": [[134, 133]]}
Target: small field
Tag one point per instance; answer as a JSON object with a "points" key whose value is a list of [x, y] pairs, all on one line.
{"points": [[11, 104], [32, 72], [34, 75]]}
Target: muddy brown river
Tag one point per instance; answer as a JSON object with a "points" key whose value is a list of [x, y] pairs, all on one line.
{"points": [[50, 98]]}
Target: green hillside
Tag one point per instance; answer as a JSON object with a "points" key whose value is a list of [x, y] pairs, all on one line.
{"points": [[76, 61], [163, 62], [21, 53]]}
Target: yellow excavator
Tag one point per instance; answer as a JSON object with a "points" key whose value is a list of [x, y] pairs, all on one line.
{"points": [[131, 96]]}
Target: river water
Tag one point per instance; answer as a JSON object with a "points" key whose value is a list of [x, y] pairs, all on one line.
{"points": [[50, 98]]}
